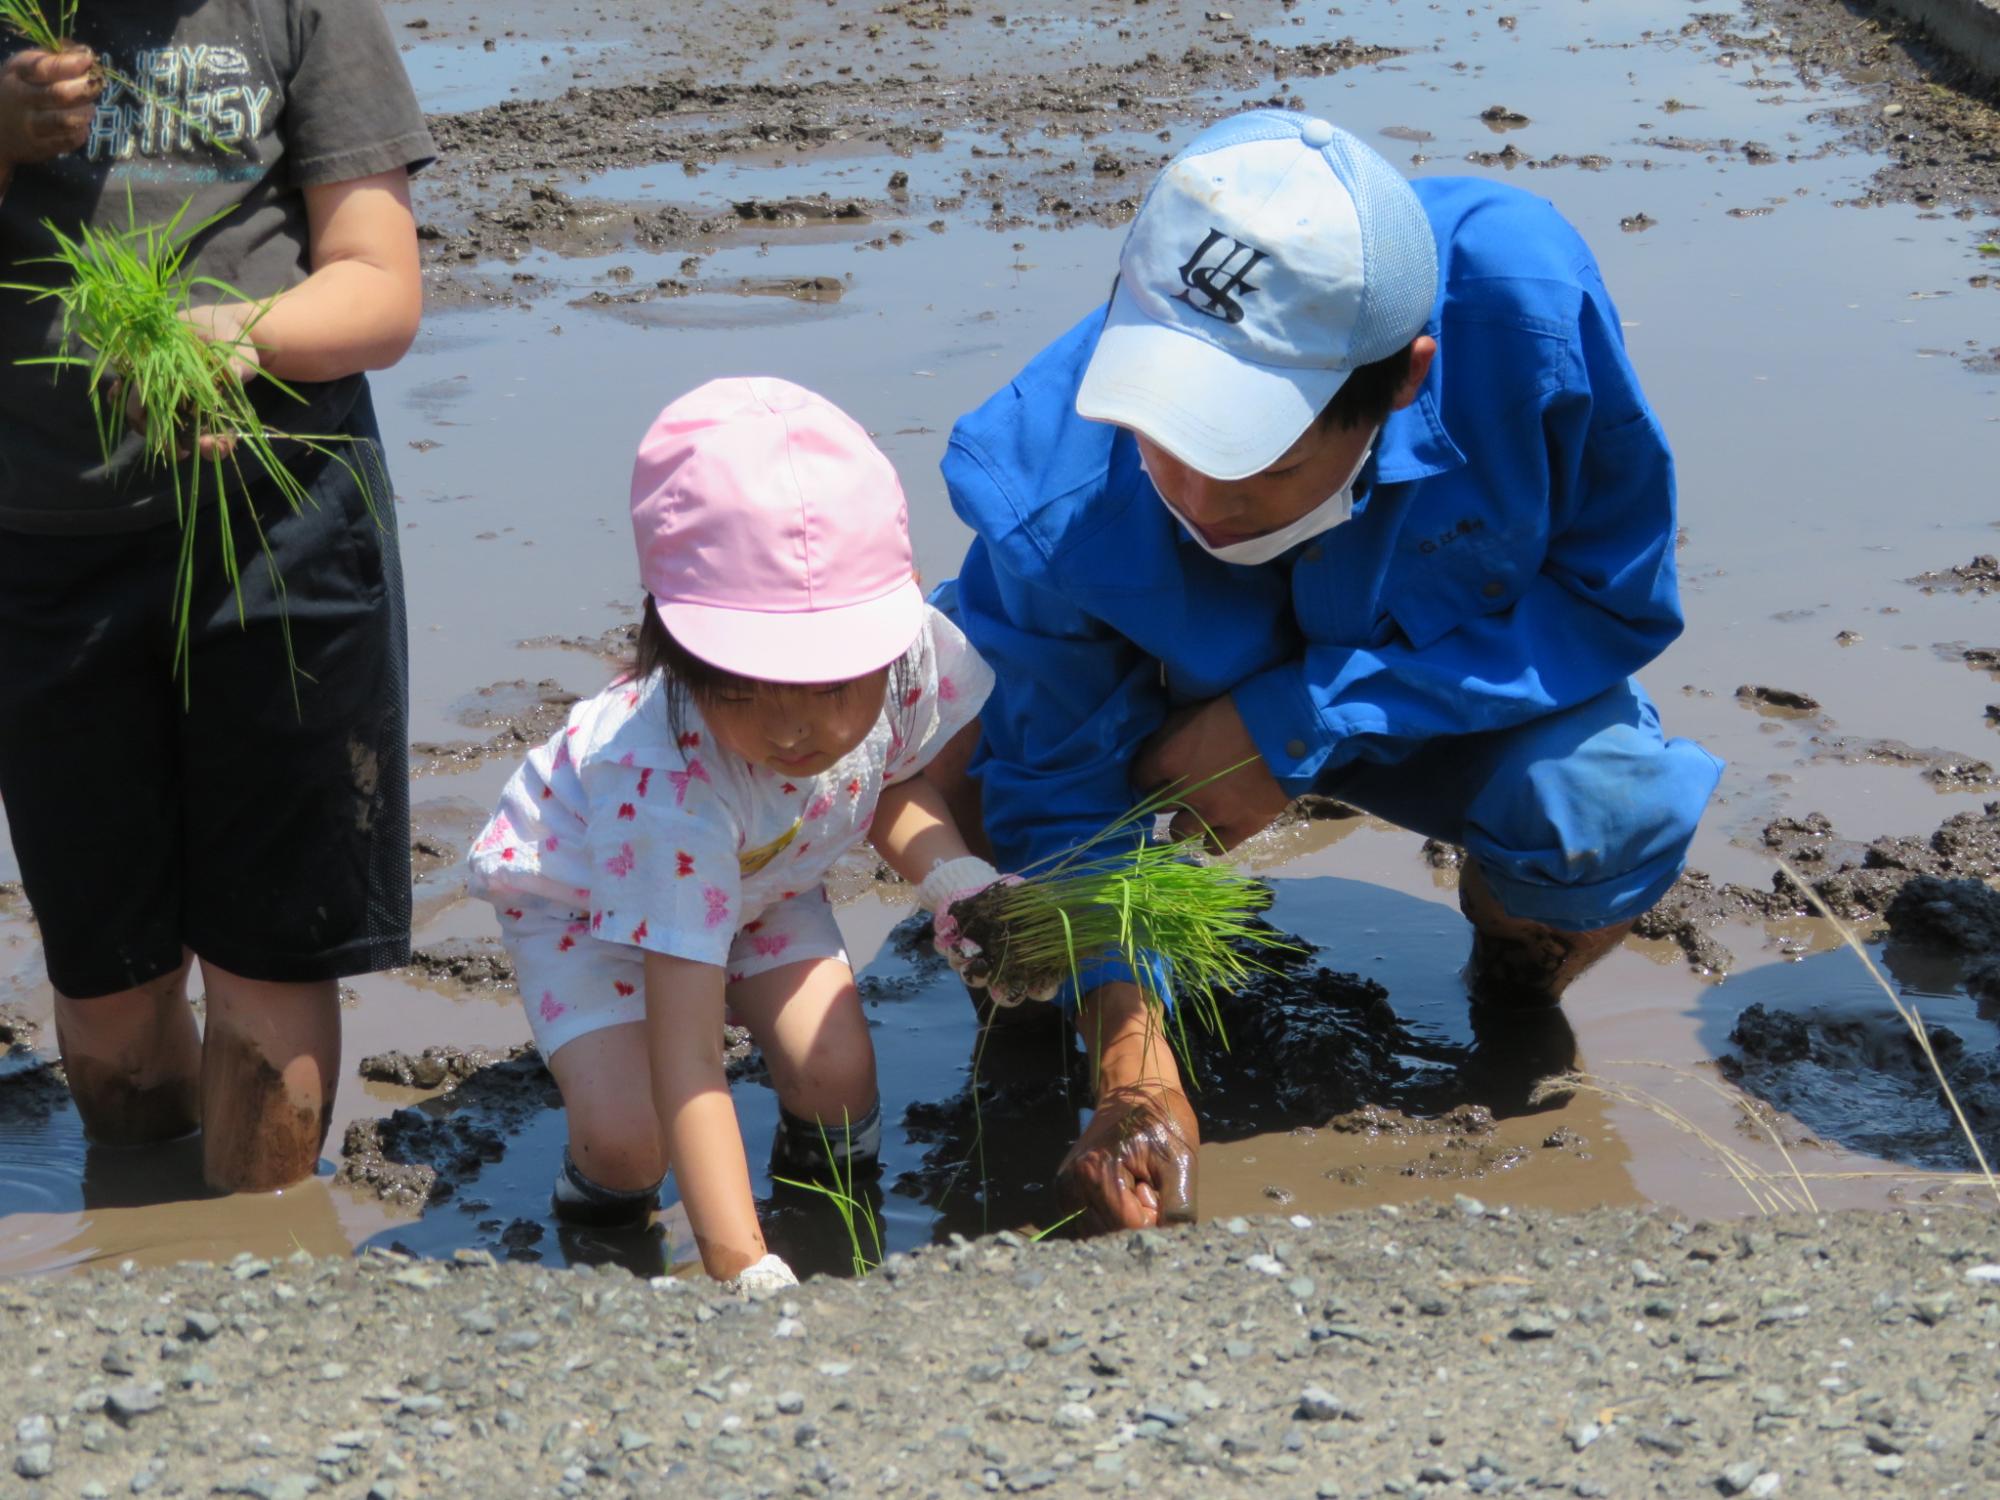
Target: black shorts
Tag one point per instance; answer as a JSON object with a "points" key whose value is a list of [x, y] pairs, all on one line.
{"points": [[267, 833]]}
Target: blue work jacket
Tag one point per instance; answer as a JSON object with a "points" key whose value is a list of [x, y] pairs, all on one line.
{"points": [[1511, 551]]}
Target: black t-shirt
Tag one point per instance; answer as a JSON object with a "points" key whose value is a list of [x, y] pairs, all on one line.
{"points": [[306, 92]]}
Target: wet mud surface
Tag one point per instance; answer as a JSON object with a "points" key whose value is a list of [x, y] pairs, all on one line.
{"points": [[1864, 1082], [1933, 120], [522, 715], [900, 204]]}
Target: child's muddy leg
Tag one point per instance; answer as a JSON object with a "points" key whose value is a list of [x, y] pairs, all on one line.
{"points": [[612, 1171], [134, 1061], [270, 1066], [808, 1020]]}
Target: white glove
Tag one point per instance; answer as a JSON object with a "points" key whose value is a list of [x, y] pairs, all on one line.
{"points": [[952, 881], [766, 1278]]}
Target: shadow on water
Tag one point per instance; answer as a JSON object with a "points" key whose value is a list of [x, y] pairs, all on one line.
{"points": [[1303, 1046]]}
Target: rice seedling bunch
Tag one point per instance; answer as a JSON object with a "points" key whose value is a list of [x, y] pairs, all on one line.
{"points": [[122, 303], [47, 28], [1152, 898]]}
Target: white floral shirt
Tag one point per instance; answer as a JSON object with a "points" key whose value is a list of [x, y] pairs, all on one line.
{"points": [[670, 844]]}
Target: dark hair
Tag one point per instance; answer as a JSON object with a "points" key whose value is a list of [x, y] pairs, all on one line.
{"points": [[687, 679], [1369, 394]]}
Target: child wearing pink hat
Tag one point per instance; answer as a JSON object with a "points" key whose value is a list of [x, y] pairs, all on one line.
{"points": [[662, 857]]}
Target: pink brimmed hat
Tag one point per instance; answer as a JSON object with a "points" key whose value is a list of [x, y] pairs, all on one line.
{"points": [[773, 534]]}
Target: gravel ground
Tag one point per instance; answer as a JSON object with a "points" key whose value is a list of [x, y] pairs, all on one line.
{"points": [[1448, 1350]]}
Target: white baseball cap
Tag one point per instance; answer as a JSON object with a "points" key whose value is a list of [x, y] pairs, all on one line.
{"points": [[1272, 257]]}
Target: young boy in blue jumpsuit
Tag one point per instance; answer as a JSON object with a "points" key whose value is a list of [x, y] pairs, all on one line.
{"points": [[1354, 482]]}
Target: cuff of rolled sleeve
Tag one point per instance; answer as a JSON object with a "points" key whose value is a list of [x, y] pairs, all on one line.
{"points": [[1279, 714], [1108, 968], [1581, 908]]}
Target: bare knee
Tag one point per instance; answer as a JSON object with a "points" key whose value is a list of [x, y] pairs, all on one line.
{"points": [[616, 1148], [614, 1132], [133, 1061], [832, 1081]]}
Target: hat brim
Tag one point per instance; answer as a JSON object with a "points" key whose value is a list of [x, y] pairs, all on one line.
{"points": [[820, 645], [1222, 416]]}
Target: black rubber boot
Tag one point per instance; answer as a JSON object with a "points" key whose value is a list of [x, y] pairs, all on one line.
{"points": [[591, 1205], [799, 1147]]}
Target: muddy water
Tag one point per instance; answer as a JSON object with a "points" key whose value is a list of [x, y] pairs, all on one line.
{"points": [[1817, 364]]}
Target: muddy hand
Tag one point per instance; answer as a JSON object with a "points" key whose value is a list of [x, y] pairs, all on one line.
{"points": [[1134, 1165], [949, 883], [47, 101]]}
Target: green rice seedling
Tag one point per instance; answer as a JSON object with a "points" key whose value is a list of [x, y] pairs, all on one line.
{"points": [[54, 30], [856, 1213], [1201, 918], [122, 324], [1063, 1223], [46, 29]]}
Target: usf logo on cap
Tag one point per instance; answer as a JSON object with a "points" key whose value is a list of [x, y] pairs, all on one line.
{"points": [[1215, 279], [1271, 258]]}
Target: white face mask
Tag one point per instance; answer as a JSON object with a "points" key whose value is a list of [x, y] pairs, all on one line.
{"points": [[1328, 514]]}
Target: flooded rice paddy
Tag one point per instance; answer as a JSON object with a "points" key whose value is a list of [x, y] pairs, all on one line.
{"points": [[898, 206]]}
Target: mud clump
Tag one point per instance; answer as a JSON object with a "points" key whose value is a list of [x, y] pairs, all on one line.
{"points": [[1858, 882], [1306, 1045], [17, 1032], [1954, 916], [1864, 1083], [31, 1090], [524, 713], [1317, 59], [1784, 699], [793, 213], [464, 963], [1980, 576], [429, 1069], [427, 1153], [543, 217], [1456, 1144]]}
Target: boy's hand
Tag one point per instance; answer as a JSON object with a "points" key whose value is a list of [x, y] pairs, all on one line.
{"points": [[226, 323], [1134, 1165], [46, 103]]}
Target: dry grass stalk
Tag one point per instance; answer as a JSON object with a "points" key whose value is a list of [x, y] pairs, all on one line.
{"points": [[1767, 1194], [1759, 1117]]}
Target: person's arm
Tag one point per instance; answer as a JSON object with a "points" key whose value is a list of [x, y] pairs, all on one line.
{"points": [[684, 1003], [913, 830], [358, 309]]}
